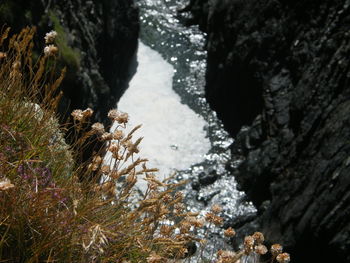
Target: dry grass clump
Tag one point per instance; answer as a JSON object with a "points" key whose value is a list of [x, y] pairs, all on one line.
{"points": [[47, 213], [55, 209]]}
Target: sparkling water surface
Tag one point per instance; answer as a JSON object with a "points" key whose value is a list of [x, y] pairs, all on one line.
{"points": [[189, 136]]}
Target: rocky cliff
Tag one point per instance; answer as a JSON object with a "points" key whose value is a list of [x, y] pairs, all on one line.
{"points": [[97, 41], [281, 69]]}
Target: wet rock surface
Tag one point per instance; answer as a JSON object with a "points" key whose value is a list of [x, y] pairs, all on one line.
{"points": [[281, 68], [98, 42]]}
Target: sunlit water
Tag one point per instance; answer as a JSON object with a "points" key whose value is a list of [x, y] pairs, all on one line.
{"points": [[181, 131], [174, 136]]}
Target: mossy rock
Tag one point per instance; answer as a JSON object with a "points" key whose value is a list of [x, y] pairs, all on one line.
{"points": [[71, 56]]}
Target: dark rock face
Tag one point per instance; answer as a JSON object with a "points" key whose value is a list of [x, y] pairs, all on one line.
{"points": [[98, 42], [282, 67]]}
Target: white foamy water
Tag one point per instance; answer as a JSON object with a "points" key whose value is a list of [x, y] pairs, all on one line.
{"points": [[174, 135]]}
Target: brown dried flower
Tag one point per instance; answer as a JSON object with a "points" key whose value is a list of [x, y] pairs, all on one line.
{"points": [[105, 169], [283, 258], [113, 114], [216, 209], [87, 113], [118, 135], [258, 237], [179, 208], [77, 115], [166, 230], [95, 164], [167, 198], [98, 128], [209, 217], [229, 232], [248, 244], [218, 221], [122, 118], [50, 50], [260, 249], [276, 249], [114, 148]]}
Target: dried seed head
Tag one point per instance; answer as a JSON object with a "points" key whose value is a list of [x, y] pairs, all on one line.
{"points": [[167, 198], [50, 50], [131, 179], [95, 164], [122, 118], [118, 135], [229, 232], [209, 217], [77, 115], [113, 114], [258, 237], [260, 249], [218, 221], [113, 147], [98, 128], [105, 169], [166, 230], [179, 208], [87, 113], [283, 258], [248, 244], [276, 249], [216, 209], [6, 184], [50, 37]]}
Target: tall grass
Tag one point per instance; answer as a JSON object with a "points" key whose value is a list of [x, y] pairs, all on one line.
{"points": [[54, 208]]}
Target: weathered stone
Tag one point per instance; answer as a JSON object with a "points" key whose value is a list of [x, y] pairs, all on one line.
{"points": [[286, 62]]}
